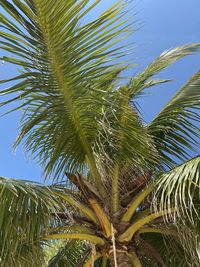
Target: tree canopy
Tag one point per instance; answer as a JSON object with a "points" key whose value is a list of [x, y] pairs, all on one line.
{"points": [[127, 191]]}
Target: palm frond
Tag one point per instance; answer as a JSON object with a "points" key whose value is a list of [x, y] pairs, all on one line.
{"points": [[63, 63], [25, 212], [78, 120], [179, 188], [141, 81], [174, 130], [126, 145], [71, 253], [24, 256], [170, 251], [130, 130]]}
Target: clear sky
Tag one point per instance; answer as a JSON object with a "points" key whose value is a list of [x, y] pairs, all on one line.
{"points": [[164, 24]]}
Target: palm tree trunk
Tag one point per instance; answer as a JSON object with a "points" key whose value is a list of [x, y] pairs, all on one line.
{"points": [[122, 259]]}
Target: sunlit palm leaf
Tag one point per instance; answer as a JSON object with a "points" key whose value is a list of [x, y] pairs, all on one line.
{"points": [[71, 254], [175, 129], [179, 188], [127, 130], [25, 211], [78, 118], [167, 58], [63, 64]]}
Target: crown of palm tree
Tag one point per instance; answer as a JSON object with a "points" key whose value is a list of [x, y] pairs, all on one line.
{"points": [[128, 192]]}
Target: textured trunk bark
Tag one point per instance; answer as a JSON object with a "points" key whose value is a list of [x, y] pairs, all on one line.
{"points": [[122, 260]]}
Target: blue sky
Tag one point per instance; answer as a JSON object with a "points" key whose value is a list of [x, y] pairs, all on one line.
{"points": [[163, 25]]}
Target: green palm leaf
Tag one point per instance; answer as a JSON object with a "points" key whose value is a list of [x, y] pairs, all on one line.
{"points": [[167, 58], [179, 188], [174, 129], [63, 67], [25, 212], [73, 117], [129, 130], [78, 120], [71, 254], [169, 250]]}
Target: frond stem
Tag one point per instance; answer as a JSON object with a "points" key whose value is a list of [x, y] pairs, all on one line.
{"points": [[115, 183], [87, 237], [166, 231], [134, 259], [129, 233], [102, 217], [83, 208], [135, 204]]}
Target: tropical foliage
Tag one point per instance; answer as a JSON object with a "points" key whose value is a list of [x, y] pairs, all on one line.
{"points": [[124, 193]]}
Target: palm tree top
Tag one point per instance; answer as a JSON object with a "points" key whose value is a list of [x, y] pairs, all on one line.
{"points": [[82, 123]]}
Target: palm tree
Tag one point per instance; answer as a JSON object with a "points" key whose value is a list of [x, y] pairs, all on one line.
{"points": [[124, 193]]}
